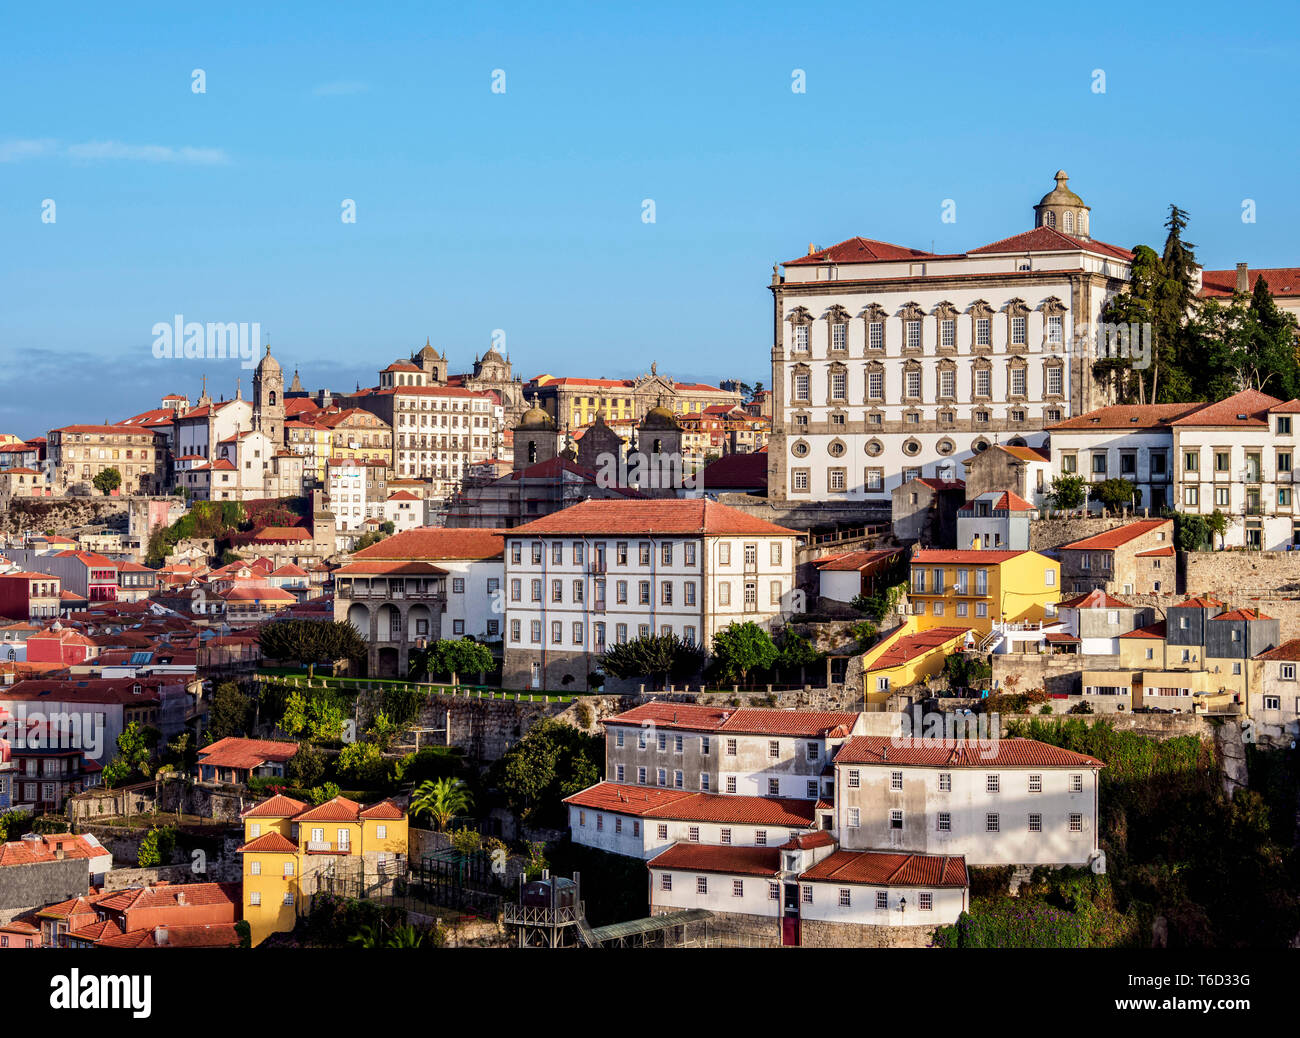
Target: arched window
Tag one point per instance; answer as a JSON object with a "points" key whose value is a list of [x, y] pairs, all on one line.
{"points": [[272, 401], [1051, 219], [532, 451], [1069, 222], [658, 447]]}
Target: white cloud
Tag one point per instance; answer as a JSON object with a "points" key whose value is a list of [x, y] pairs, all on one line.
{"points": [[340, 88], [17, 150], [147, 153]]}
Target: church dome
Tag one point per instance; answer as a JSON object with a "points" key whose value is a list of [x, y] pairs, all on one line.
{"points": [[660, 418], [268, 363], [493, 357], [1061, 195], [535, 418]]}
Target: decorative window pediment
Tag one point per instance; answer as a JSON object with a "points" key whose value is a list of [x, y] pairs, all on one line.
{"points": [[1017, 307], [981, 308], [911, 312], [1053, 306], [837, 315], [874, 312], [945, 309], [800, 315]]}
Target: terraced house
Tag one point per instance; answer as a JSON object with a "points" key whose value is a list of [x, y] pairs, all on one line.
{"points": [[611, 571]]}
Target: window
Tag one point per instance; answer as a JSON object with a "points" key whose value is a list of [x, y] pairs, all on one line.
{"points": [[925, 901], [801, 387], [288, 898], [992, 823], [255, 898], [983, 382], [255, 869], [1018, 382], [992, 783], [945, 782], [557, 632], [801, 337], [855, 815], [839, 385], [1288, 671], [811, 789], [773, 787], [912, 339], [774, 891], [666, 881], [701, 884], [662, 832], [1035, 823], [846, 897], [854, 778], [1035, 783], [876, 335], [895, 819], [839, 335], [731, 747], [875, 385], [693, 834], [895, 780], [731, 783], [1019, 330], [737, 888], [882, 899], [948, 333], [945, 822], [1076, 823], [1056, 324], [806, 894], [661, 774], [1076, 783], [913, 384]]}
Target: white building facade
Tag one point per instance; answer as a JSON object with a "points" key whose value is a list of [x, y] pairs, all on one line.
{"points": [[891, 363]]}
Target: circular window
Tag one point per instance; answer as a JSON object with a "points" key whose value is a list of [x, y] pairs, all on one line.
{"points": [[945, 447], [980, 446], [836, 448], [1016, 441], [912, 447], [875, 448], [799, 449]]}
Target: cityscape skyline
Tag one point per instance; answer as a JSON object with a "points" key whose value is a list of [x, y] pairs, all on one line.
{"points": [[226, 205]]}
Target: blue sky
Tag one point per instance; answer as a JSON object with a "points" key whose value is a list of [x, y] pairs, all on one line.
{"points": [[522, 211]]}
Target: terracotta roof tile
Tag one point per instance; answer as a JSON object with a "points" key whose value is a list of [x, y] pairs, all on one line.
{"points": [[737, 861], [952, 753], [1120, 535], [685, 517], [878, 868], [679, 805]]}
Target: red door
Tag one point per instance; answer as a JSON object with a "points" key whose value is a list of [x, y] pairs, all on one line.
{"points": [[790, 931]]}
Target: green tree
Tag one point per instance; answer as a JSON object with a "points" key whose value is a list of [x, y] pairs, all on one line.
{"points": [[306, 767], [134, 755], [1115, 493], [741, 648], [452, 656], [230, 713], [1217, 524], [156, 848], [1067, 492], [797, 654], [362, 762], [552, 761], [441, 800], [665, 657], [311, 641], [107, 480]]}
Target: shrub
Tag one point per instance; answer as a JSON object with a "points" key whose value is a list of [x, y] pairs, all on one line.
{"points": [[156, 848]]}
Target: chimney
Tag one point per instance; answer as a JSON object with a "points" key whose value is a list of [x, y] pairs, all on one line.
{"points": [[811, 248], [1243, 279], [160, 936], [180, 897]]}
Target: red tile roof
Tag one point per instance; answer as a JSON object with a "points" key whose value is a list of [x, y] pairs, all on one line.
{"points": [[1126, 416], [737, 861], [1033, 454], [1242, 614], [684, 517], [809, 841], [269, 843], [1250, 407], [1155, 630], [1282, 281], [1120, 535], [437, 543], [912, 646], [278, 806], [1048, 239], [953, 753], [881, 869], [282, 533], [1006, 502], [29, 852], [679, 805], [745, 720], [1094, 599], [1200, 602], [233, 752], [171, 895], [1156, 553], [859, 250], [1288, 651], [380, 567], [187, 935], [857, 560], [385, 811], [943, 555], [340, 809]]}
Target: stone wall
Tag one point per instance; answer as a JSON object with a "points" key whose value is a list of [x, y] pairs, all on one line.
{"points": [[485, 728], [1241, 573], [816, 933], [807, 515], [1046, 534], [1057, 674], [63, 513], [29, 886]]}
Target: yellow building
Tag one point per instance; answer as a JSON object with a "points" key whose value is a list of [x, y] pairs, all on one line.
{"points": [[287, 841], [356, 433], [907, 657], [311, 442], [961, 588]]}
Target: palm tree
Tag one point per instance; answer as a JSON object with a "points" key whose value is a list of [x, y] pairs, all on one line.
{"points": [[442, 800], [405, 936]]}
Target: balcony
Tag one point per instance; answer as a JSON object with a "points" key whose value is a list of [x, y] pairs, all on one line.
{"points": [[328, 847]]}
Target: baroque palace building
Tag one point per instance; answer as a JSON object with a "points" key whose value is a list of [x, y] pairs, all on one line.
{"points": [[891, 363]]}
